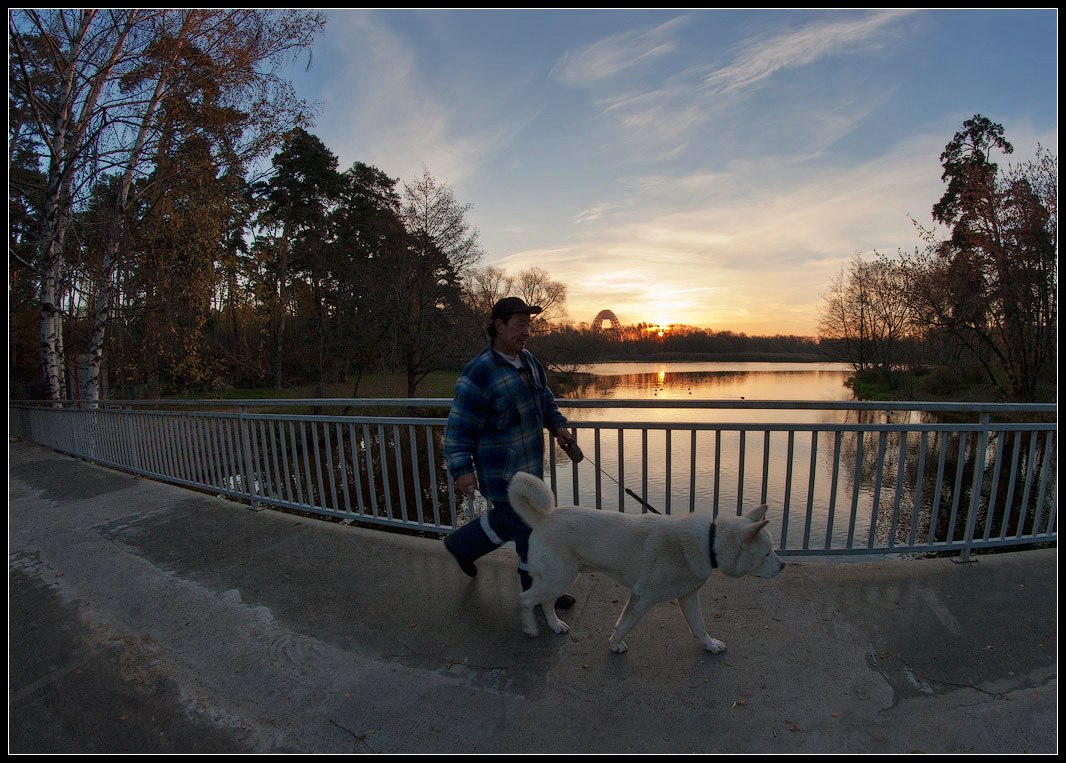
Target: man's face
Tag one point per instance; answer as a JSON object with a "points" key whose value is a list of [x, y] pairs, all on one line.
{"points": [[512, 335]]}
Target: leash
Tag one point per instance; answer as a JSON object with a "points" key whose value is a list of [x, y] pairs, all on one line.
{"points": [[571, 449]]}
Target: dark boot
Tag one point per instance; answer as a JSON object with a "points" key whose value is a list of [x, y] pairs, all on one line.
{"points": [[468, 543]]}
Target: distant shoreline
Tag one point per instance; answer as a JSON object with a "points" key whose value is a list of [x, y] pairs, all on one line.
{"points": [[722, 357]]}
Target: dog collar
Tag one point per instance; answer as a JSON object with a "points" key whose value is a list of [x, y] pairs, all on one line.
{"points": [[714, 558]]}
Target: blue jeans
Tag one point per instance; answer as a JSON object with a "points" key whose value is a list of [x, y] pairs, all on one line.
{"points": [[488, 532]]}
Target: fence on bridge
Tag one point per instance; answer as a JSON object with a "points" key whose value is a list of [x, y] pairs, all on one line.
{"points": [[863, 478]]}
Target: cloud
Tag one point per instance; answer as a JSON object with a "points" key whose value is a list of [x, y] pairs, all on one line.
{"points": [[602, 60], [593, 213], [701, 102], [384, 107], [759, 59]]}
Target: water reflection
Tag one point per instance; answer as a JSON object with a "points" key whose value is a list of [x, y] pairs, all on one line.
{"points": [[710, 381], [761, 381]]}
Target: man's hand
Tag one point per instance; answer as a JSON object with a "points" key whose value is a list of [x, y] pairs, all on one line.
{"points": [[466, 484], [562, 434]]}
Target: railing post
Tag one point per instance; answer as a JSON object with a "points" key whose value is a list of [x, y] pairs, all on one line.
{"points": [[134, 441], [975, 489], [247, 476]]}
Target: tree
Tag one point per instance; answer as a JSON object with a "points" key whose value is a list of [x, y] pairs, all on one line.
{"points": [[180, 235], [63, 63], [483, 287], [846, 315], [866, 313], [430, 208], [425, 278], [368, 235], [992, 283], [536, 287], [298, 194]]}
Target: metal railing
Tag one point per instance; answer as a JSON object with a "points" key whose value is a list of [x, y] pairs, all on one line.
{"points": [[852, 482]]}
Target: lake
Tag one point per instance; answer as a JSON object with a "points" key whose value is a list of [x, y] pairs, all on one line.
{"points": [[680, 471], [713, 381]]}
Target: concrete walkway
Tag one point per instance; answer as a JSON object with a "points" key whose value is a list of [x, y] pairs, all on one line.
{"points": [[145, 618]]}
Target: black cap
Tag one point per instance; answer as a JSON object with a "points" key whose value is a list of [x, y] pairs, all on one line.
{"points": [[508, 306]]}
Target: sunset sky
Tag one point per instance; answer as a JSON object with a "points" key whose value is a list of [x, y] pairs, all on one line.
{"points": [[709, 167]]}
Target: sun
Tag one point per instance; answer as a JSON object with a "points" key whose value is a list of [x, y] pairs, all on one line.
{"points": [[658, 328]]}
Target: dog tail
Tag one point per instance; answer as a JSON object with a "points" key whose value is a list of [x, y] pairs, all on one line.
{"points": [[531, 498]]}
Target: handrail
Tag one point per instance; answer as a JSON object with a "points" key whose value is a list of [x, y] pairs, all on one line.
{"points": [[874, 488], [443, 402]]}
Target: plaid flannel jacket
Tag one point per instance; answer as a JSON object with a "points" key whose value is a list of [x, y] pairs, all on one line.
{"points": [[497, 420]]}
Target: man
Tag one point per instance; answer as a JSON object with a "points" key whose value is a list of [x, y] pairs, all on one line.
{"points": [[495, 428]]}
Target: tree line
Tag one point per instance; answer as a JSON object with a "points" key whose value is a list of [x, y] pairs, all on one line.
{"points": [[982, 298], [569, 346]]}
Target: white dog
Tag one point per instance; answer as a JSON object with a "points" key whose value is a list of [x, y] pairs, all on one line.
{"points": [[657, 558]]}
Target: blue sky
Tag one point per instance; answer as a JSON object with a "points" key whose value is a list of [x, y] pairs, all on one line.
{"points": [[710, 167]]}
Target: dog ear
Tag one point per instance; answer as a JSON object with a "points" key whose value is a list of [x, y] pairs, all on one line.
{"points": [[752, 533], [757, 514]]}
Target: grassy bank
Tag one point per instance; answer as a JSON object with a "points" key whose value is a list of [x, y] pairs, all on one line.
{"points": [[436, 384], [945, 384]]}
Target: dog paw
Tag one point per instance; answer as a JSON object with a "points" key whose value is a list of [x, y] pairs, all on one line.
{"points": [[619, 648], [531, 633], [560, 627], [713, 645]]}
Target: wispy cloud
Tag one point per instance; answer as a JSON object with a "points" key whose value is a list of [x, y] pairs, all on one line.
{"points": [[383, 108], [608, 57], [662, 119], [593, 213], [759, 59]]}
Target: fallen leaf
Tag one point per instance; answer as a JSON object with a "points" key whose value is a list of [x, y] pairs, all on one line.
{"points": [[123, 717]]}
